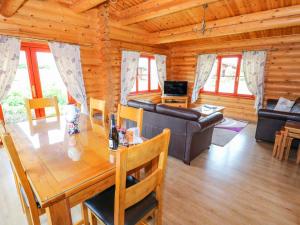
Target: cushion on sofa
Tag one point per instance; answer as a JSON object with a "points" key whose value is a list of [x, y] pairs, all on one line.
{"points": [[182, 113], [146, 105], [284, 105]]}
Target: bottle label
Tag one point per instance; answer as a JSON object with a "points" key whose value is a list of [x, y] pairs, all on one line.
{"points": [[111, 143]]}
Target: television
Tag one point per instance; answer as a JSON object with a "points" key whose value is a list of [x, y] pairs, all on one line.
{"points": [[175, 88]]}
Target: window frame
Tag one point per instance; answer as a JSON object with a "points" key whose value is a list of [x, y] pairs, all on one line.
{"points": [[149, 79], [236, 82], [31, 49]]}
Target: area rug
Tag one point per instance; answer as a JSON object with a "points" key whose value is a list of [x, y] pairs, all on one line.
{"points": [[225, 131]]}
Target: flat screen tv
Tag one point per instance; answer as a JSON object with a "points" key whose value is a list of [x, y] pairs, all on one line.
{"points": [[175, 88]]}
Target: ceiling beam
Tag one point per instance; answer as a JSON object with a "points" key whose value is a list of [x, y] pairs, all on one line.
{"points": [[233, 44], [156, 8], [84, 5], [265, 20], [9, 7]]}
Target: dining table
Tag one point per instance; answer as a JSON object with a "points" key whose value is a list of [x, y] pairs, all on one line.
{"points": [[64, 170]]}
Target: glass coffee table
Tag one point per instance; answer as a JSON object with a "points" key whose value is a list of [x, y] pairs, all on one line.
{"points": [[207, 110]]}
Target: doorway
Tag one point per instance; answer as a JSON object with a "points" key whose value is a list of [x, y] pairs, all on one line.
{"points": [[37, 77]]}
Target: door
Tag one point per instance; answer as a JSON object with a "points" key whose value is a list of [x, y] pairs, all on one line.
{"points": [[37, 77]]}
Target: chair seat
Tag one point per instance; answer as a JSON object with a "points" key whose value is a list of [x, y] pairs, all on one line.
{"points": [[102, 205]]}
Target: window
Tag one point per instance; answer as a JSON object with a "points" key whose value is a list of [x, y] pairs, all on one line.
{"points": [[147, 79], [227, 77], [36, 77]]}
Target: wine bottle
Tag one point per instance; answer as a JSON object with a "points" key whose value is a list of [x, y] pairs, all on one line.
{"points": [[113, 134]]}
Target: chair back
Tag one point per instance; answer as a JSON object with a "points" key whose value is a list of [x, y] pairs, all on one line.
{"points": [[20, 176], [153, 151], [97, 105], [130, 113], [39, 103]]}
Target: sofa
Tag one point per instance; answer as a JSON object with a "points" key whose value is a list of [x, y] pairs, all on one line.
{"points": [[270, 121], [191, 134]]}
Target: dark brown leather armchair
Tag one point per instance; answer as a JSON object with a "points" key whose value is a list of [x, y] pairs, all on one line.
{"points": [[190, 133], [270, 121]]}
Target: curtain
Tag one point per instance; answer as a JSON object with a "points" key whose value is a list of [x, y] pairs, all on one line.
{"points": [[130, 62], [254, 67], [68, 62], [9, 61], [161, 64], [205, 64]]}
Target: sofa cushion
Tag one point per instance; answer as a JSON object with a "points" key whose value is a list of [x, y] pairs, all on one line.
{"points": [[182, 113], [146, 105], [284, 105], [296, 107]]}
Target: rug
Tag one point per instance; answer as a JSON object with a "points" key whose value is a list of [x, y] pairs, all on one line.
{"points": [[225, 131]]}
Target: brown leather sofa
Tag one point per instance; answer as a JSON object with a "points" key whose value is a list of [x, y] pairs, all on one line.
{"points": [[190, 133], [270, 121]]}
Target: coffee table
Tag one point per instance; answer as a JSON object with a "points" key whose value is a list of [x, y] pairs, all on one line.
{"points": [[207, 110]]}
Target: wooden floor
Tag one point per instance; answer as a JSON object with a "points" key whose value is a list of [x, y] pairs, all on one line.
{"points": [[237, 184]]}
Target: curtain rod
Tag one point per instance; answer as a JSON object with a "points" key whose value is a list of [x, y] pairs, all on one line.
{"points": [[47, 40]]}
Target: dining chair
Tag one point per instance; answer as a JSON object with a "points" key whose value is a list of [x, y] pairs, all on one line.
{"points": [[29, 202], [132, 114], [132, 201], [39, 103], [30, 206], [96, 106]]}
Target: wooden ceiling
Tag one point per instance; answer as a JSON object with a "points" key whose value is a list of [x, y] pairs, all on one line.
{"points": [[217, 10]]}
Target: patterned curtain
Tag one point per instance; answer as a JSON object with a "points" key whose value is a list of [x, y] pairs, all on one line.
{"points": [[9, 61], [67, 59], [161, 64], [130, 62], [205, 64], [254, 67]]}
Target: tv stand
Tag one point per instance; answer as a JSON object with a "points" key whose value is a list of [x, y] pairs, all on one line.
{"points": [[176, 101]]}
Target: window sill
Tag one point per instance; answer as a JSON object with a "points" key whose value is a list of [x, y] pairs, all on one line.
{"points": [[229, 95]]}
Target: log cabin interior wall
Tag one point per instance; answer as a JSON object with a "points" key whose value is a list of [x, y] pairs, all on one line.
{"points": [[282, 78], [168, 28]]}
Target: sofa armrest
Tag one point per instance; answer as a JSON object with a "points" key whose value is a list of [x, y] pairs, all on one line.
{"points": [[272, 114], [211, 120]]}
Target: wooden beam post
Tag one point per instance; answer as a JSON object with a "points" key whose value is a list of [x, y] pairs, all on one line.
{"points": [[84, 5], [155, 8], [265, 20], [9, 7]]}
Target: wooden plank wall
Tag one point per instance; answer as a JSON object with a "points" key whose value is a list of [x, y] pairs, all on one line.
{"points": [[282, 77], [126, 38], [48, 20]]}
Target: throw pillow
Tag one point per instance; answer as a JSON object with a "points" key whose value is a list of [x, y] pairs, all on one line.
{"points": [[284, 105]]}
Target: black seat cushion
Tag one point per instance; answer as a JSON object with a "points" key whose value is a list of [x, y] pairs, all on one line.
{"points": [[102, 205]]}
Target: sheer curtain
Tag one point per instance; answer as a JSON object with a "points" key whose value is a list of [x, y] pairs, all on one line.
{"points": [[204, 66], [68, 62], [130, 62], [9, 61], [254, 67], [161, 64]]}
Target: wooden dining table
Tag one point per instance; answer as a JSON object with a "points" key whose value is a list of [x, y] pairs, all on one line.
{"points": [[64, 170]]}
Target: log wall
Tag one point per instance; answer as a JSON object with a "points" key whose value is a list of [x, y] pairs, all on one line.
{"points": [[126, 38], [48, 20], [282, 77]]}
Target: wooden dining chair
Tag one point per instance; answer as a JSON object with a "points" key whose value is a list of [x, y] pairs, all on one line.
{"points": [[132, 114], [29, 204], [131, 201], [39, 103], [96, 106]]}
